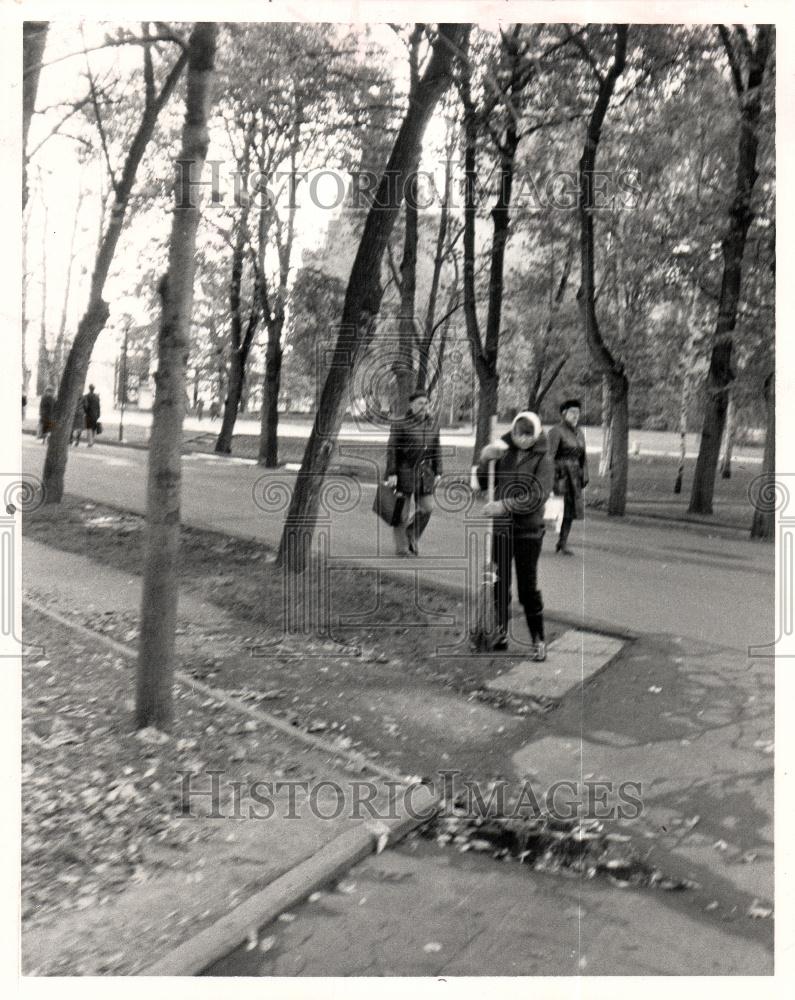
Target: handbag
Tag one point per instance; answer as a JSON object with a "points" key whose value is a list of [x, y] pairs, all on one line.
{"points": [[553, 511], [427, 477], [99, 427], [388, 504]]}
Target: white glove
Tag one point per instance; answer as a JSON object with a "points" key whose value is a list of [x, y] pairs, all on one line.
{"points": [[493, 452]]}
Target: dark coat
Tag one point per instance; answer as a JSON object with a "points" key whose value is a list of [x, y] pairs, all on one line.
{"points": [[414, 455], [91, 406], [523, 481], [46, 413], [567, 448]]}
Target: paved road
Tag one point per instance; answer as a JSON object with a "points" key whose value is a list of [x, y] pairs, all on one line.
{"points": [[650, 578], [640, 441]]}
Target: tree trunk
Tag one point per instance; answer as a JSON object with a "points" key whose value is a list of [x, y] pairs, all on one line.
{"points": [[34, 39], [487, 409], [403, 364], [97, 311], [485, 353], [154, 696], [234, 390], [25, 369], [60, 343], [619, 441], [45, 372], [683, 408], [363, 299], [764, 520], [721, 374], [607, 423], [684, 405], [586, 295], [269, 427], [728, 442]]}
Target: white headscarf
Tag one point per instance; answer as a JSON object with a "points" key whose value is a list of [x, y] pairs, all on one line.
{"points": [[533, 418]]}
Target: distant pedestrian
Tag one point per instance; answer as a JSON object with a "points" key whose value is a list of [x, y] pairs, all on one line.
{"points": [[92, 409], [567, 449], [46, 413], [215, 410], [79, 422], [413, 467], [522, 482], [200, 409]]}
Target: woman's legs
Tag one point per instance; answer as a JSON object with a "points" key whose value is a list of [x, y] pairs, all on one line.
{"points": [[399, 530], [526, 553], [565, 528]]}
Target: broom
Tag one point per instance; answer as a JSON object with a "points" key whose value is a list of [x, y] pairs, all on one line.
{"points": [[486, 634]]}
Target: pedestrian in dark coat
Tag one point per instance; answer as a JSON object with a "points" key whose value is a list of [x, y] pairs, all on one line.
{"points": [[413, 467], [91, 406], [522, 483], [46, 412], [567, 449]]}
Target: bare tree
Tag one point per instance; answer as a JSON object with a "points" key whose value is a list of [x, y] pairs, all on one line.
{"points": [[154, 701], [97, 311]]}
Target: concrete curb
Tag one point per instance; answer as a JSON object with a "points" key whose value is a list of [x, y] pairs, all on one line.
{"points": [[220, 939], [216, 941], [353, 758]]}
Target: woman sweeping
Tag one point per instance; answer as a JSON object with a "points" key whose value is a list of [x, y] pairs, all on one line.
{"points": [[522, 483]]}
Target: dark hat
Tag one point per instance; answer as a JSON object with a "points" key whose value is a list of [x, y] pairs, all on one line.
{"points": [[568, 403], [417, 395]]}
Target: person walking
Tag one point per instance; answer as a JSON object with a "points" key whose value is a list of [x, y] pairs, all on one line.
{"points": [[567, 448], [46, 413], [79, 422], [523, 479], [413, 467], [92, 410], [199, 410]]}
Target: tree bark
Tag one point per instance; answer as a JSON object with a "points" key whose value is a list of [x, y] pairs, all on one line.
{"points": [[60, 343], [485, 352], [34, 39], [97, 311], [363, 298], [684, 405], [269, 429], [154, 695], [586, 296], [763, 524], [44, 370], [721, 375]]}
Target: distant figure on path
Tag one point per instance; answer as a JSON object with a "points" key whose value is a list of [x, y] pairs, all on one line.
{"points": [[46, 413], [215, 410], [200, 409], [91, 404], [79, 422], [567, 449]]}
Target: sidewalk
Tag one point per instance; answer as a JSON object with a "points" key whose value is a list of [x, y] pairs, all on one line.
{"points": [[171, 877], [705, 763]]}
